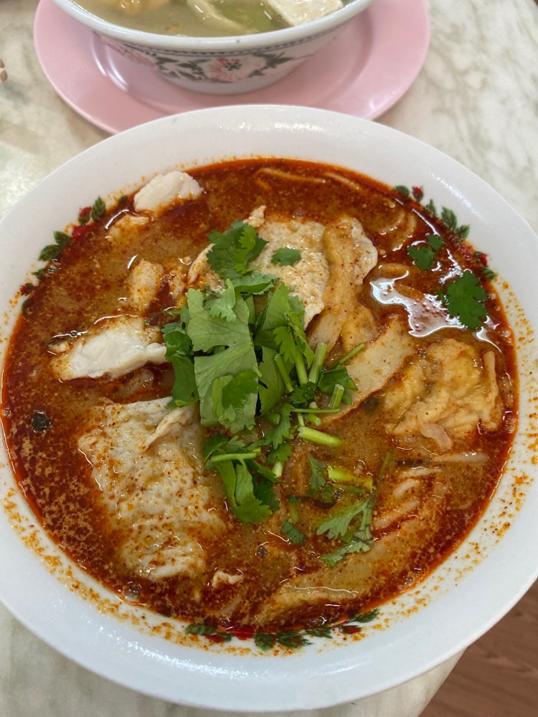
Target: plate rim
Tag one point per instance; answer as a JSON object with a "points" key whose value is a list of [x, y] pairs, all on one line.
{"points": [[107, 124]]}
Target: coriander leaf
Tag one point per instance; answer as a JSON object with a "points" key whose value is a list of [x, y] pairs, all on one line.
{"points": [[209, 368], [303, 395], [403, 190], [222, 307], [286, 256], [465, 299], [207, 331], [280, 454], [282, 431], [317, 475], [330, 377], [296, 321], [236, 391], [335, 556], [318, 488], [292, 533], [271, 385], [280, 306], [98, 209], [234, 249], [213, 444], [239, 489], [435, 241], [285, 343], [262, 471], [338, 524], [229, 394], [422, 256], [176, 340], [184, 389], [488, 273], [264, 491], [360, 540], [179, 353], [253, 283], [248, 508]]}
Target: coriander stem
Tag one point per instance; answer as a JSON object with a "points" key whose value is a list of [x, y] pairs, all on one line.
{"points": [[278, 468], [300, 420], [337, 396], [350, 354], [317, 363], [301, 370], [279, 363], [320, 438], [315, 410], [235, 456], [314, 420], [387, 460]]}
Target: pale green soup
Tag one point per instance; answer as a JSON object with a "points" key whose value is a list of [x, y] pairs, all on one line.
{"points": [[196, 17]]}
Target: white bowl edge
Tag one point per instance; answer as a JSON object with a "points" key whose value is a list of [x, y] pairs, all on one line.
{"points": [[306, 680]]}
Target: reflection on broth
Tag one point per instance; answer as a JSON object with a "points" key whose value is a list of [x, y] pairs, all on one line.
{"points": [[273, 430], [425, 311], [210, 17]]}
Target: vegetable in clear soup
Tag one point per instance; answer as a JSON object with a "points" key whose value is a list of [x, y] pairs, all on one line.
{"points": [[264, 395], [210, 17]]}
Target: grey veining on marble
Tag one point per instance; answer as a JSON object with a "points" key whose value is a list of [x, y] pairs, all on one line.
{"points": [[477, 96], [476, 99]]}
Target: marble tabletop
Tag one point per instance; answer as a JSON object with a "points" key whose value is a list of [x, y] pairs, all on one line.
{"points": [[475, 99]]}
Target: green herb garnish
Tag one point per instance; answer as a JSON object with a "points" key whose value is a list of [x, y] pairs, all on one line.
{"points": [[292, 533], [465, 299], [356, 539], [337, 525], [286, 256], [424, 254]]}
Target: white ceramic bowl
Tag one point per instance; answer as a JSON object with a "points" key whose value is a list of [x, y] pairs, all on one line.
{"points": [[459, 601], [221, 65]]}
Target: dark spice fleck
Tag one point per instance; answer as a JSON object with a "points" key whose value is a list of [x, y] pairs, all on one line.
{"points": [[40, 421]]}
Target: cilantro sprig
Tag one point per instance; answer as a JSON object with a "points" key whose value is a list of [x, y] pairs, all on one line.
{"points": [[286, 256], [249, 365], [465, 299], [231, 254], [424, 253]]}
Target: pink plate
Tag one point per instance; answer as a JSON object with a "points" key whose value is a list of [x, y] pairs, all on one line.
{"points": [[367, 70]]}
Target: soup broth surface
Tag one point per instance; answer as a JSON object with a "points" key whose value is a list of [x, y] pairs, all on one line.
{"points": [[425, 473], [180, 17]]}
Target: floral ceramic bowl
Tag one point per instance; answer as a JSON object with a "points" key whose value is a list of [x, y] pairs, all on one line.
{"points": [[221, 65]]}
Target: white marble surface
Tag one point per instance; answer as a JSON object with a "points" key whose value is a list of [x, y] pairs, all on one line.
{"points": [[476, 99]]}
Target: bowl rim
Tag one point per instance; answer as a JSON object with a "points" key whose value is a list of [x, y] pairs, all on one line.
{"points": [[301, 674], [205, 45]]}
